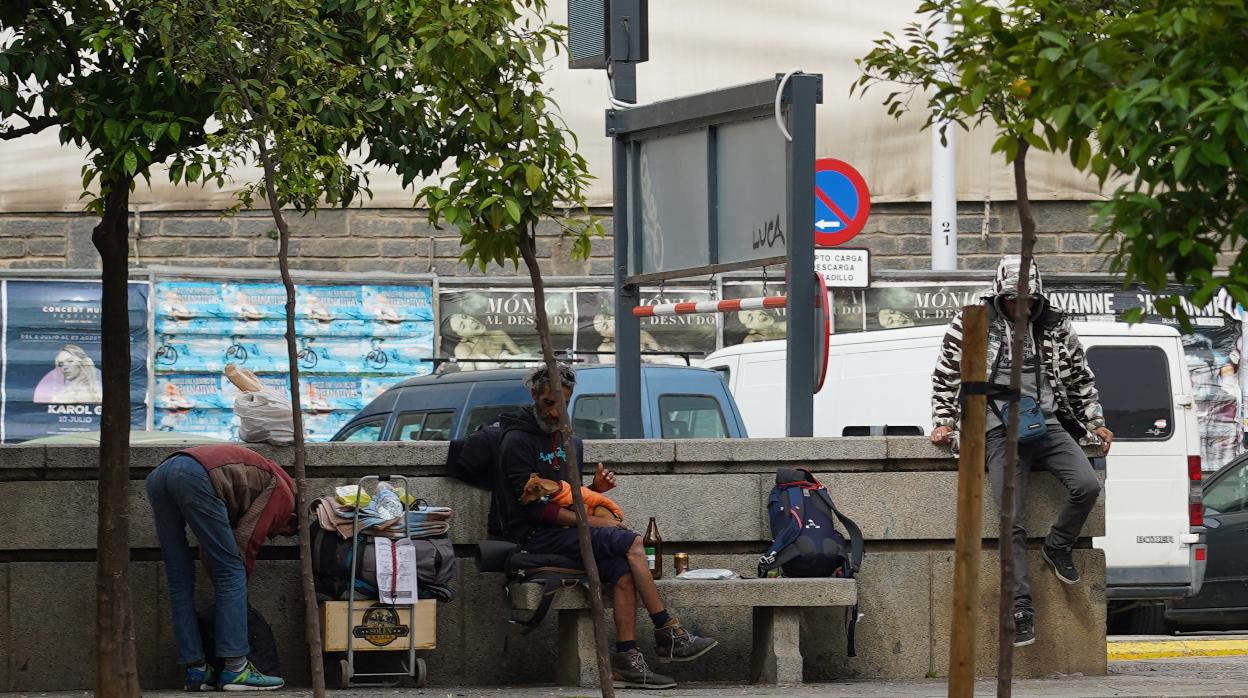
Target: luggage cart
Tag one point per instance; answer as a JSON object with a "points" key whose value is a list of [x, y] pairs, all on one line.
{"points": [[410, 666]]}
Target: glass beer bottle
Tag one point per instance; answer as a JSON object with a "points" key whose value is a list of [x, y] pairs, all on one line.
{"points": [[653, 543]]}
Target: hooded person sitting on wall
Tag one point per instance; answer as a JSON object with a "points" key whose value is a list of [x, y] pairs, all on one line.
{"points": [[1058, 405]]}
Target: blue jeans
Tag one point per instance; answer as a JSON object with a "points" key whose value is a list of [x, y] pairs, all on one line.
{"points": [[181, 495]]}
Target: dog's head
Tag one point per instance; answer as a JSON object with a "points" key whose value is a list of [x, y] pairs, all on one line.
{"points": [[537, 488]]}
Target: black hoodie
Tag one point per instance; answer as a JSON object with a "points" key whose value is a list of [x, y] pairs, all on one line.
{"points": [[527, 449]]}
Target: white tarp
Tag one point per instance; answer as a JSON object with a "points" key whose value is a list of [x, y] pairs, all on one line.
{"points": [[695, 46]]}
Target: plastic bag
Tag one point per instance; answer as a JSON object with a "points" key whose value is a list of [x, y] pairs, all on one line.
{"points": [[388, 503], [352, 496], [264, 416], [355, 496]]}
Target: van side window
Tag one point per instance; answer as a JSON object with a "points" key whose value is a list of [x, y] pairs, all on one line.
{"points": [[691, 417], [593, 417], [364, 431], [1134, 383], [424, 426], [725, 373], [882, 430]]}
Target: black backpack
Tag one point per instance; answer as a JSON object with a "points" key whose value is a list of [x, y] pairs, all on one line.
{"points": [[805, 540], [259, 637], [474, 460]]}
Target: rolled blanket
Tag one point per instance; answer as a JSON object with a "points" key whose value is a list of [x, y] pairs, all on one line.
{"points": [[425, 522]]}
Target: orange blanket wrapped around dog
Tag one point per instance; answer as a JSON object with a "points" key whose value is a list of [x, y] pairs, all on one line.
{"points": [[560, 493]]}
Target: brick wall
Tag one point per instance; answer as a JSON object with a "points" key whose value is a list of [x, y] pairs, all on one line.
{"points": [[397, 240]]}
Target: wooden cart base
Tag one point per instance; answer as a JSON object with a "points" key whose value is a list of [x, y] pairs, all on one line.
{"points": [[377, 628]]}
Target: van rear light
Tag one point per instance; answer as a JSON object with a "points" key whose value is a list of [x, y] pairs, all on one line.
{"points": [[1193, 468], [1200, 554], [1195, 514]]}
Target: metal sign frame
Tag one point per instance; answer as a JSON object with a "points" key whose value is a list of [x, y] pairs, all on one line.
{"points": [[797, 95]]}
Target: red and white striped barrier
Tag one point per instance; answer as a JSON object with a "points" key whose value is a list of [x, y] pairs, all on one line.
{"points": [[732, 306]]}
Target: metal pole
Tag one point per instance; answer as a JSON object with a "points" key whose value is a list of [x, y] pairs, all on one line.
{"points": [[800, 367], [944, 181], [627, 296]]}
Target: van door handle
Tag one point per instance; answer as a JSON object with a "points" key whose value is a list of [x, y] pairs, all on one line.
{"points": [[1184, 400]]}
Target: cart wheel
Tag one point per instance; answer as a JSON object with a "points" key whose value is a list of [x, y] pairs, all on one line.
{"points": [[422, 673], [344, 674]]}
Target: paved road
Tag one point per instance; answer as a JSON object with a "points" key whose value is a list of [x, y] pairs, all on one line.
{"points": [[1204, 677]]}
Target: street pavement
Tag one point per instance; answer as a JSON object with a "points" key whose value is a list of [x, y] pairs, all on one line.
{"points": [[1203, 677]]}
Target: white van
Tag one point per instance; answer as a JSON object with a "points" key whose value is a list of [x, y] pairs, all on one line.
{"points": [[879, 383]]}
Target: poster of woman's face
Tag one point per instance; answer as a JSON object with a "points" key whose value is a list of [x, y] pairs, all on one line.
{"points": [[749, 326], [497, 328], [596, 327], [74, 379], [52, 379]]}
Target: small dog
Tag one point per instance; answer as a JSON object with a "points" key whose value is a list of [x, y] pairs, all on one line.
{"points": [[539, 489]]}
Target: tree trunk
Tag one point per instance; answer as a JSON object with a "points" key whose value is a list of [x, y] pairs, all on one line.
{"points": [[1005, 664], [529, 253], [116, 663], [312, 624]]}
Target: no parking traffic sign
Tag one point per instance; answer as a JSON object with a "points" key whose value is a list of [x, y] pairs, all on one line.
{"points": [[842, 202]]}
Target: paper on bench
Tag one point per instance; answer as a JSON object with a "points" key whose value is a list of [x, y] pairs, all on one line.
{"points": [[396, 570], [708, 574]]}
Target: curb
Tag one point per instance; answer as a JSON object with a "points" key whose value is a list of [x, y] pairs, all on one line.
{"points": [[1162, 649]]}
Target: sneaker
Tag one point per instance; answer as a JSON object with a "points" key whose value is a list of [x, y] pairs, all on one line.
{"points": [[201, 678], [672, 643], [249, 679], [1062, 562], [629, 670], [1024, 627]]}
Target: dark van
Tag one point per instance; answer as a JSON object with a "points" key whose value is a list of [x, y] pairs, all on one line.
{"points": [[679, 402]]}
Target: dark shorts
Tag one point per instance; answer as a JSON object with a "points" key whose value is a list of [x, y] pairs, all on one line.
{"points": [[610, 547]]}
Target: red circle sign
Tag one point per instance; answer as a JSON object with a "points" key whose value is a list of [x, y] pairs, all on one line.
{"points": [[842, 202]]}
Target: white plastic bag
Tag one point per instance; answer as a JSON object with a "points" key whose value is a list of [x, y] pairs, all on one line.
{"points": [[264, 416]]}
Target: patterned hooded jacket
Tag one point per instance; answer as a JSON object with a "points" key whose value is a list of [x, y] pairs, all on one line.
{"points": [[1065, 364]]}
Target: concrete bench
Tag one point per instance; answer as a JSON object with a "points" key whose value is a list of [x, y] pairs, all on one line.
{"points": [[776, 656]]}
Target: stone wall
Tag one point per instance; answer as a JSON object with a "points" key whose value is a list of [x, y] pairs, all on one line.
{"points": [[396, 240], [708, 498]]}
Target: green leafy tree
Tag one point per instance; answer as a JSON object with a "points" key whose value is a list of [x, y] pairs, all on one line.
{"points": [[518, 166], [1162, 87], [300, 86], [1149, 96], [987, 73], [91, 72]]}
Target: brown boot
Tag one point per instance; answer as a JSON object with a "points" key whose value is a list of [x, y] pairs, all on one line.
{"points": [[629, 670], [673, 643]]}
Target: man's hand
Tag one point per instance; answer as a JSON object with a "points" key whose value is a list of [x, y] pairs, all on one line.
{"points": [[604, 480], [1104, 435], [604, 522], [942, 435]]}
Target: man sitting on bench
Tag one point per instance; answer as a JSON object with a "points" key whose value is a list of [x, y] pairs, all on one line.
{"points": [[531, 444]]}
